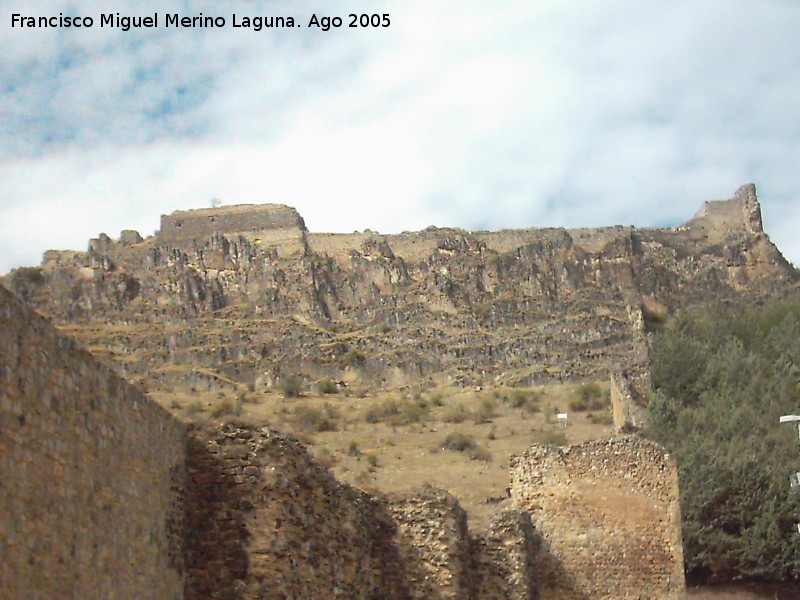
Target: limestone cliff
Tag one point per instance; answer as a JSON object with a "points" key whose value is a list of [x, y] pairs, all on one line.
{"points": [[246, 294]]}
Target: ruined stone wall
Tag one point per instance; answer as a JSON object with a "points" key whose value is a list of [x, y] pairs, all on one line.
{"points": [[504, 558], [92, 473], [717, 219], [265, 521], [608, 512], [434, 544], [202, 223], [625, 410]]}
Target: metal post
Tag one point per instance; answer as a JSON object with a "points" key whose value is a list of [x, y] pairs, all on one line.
{"points": [[794, 479]]}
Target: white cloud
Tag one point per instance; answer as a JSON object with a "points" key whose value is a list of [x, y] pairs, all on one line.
{"points": [[461, 113]]}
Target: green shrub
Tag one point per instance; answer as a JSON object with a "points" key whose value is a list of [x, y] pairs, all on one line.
{"points": [[396, 412], [353, 450], [291, 386], [485, 411], [354, 357], [245, 395], [655, 317], [723, 377], [526, 399], [600, 418], [29, 275], [458, 442], [480, 453], [308, 418], [551, 438], [461, 442], [589, 396], [325, 457], [372, 459], [326, 386], [194, 407], [578, 405], [226, 407], [455, 413]]}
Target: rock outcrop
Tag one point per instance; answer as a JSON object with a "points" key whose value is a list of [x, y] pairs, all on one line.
{"points": [[246, 295]]}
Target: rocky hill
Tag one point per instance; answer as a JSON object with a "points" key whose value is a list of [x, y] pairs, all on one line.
{"points": [[246, 295], [241, 297]]}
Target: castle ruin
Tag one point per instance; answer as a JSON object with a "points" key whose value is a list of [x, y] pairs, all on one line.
{"points": [[106, 495]]}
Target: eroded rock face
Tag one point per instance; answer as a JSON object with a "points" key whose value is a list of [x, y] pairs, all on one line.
{"points": [[248, 294]]}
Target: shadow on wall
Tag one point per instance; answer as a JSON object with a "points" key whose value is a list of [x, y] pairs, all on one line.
{"points": [[216, 539], [554, 578]]}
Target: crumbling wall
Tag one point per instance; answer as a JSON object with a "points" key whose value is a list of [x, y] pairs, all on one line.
{"points": [[504, 558], [717, 219], [92, 473], [608, 512], [202, 223], [626, 411], [266, 521], [433, 542]]}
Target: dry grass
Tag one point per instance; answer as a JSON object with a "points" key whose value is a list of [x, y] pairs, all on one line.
{"points": [[402, 447]]}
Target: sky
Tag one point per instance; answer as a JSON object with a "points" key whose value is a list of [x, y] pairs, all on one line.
{"points": [[469, 113]]}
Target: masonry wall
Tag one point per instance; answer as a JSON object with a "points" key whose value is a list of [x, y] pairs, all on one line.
{"points": [[202, 223], [504, 558], [265, 521], [92, 473], [433, 542], [608, 512], [625, 411]]}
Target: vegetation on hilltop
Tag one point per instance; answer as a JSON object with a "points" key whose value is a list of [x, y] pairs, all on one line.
{"points": [[723, 377]]}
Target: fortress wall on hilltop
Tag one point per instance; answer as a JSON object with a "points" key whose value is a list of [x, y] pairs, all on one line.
{"points": [[717, 219], [609, 515], [92, 473], [187, 225]]}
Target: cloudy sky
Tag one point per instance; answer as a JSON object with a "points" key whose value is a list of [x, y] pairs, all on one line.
{"points": [[466, 113]]}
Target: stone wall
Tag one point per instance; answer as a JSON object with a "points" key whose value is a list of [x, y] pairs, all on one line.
{"points": [[105, 496], [265, 521], [625, 410], [433, 539], [504, 558], [717, 219], [609, 517], [200, 224], [92, 473]]}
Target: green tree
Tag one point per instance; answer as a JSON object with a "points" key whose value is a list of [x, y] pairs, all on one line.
{"points": [[723, 376]]}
